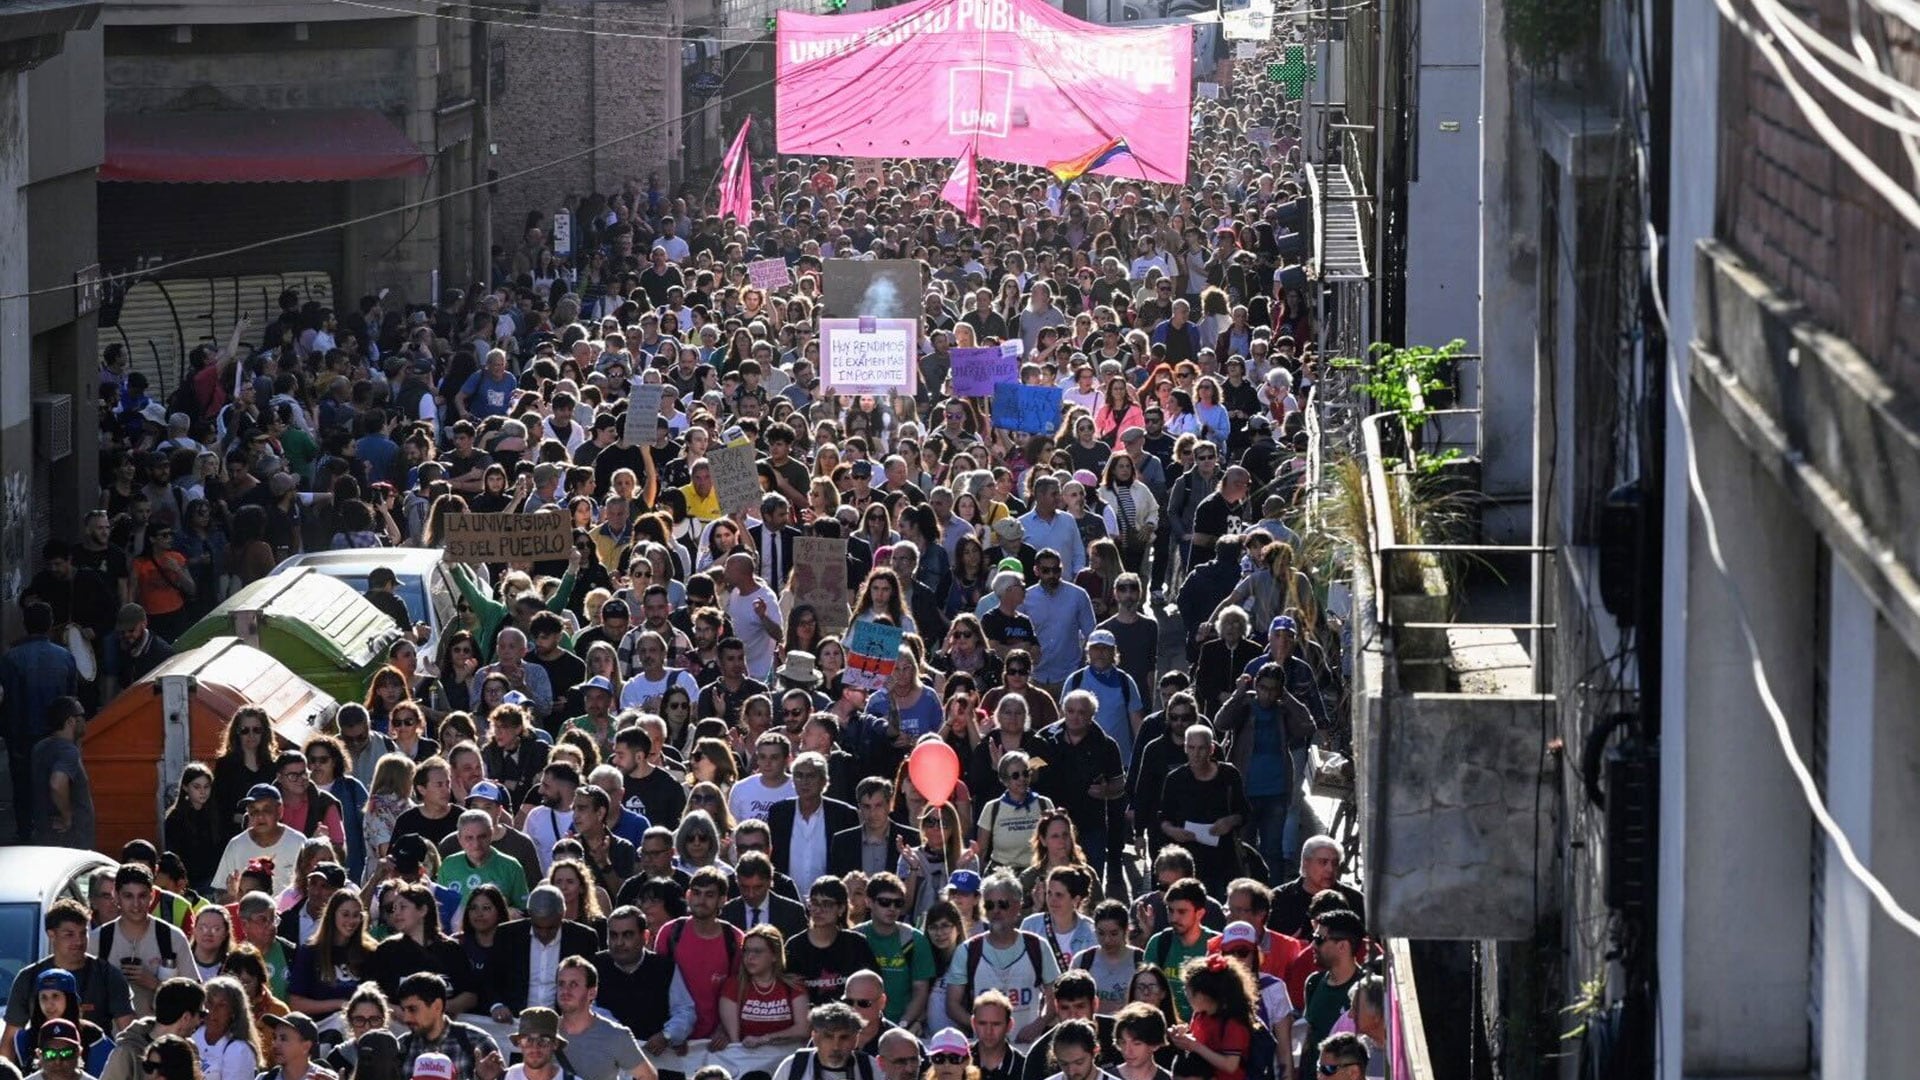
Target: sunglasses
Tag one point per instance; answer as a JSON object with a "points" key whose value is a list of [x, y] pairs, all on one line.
{"points": [[1015, 774], [949, 1059], [998, 905], [1019, 671], [145, 1066], [887, 901], [253, 731], [61, 1054], [1329, 1070]]}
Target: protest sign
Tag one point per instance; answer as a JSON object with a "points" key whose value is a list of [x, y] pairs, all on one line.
{"points": [[820, 579], [768, 274], [1034, 409], [505, 537], [869, 168], [872, 288], [975, 371], [869, 356], [643, 413], [872, 650], [736, 477], [1208, 90]]}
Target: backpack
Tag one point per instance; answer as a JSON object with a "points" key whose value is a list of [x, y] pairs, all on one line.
{"points": [[161, 941], [1075, 682], [1263, 1054], [977, 951], [679, 930], [803, 1061]]}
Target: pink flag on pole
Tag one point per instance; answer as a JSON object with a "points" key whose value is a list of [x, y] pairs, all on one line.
{"points": [[963, 188], [736, 178]]}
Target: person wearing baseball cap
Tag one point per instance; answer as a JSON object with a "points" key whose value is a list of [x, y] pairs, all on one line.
{"points": [[58, 1041], [294, 1036], [491, 797], [1121, 706], [264, 836], [539, 1042]]}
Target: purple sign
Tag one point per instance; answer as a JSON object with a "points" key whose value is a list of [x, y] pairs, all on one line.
{"points": [[976, 370]]}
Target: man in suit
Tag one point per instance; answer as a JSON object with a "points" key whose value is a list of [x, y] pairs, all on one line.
{"points": [[527, 953], [773, 538], [873, 845], [803, 826], [758, 904], [753, 835]]}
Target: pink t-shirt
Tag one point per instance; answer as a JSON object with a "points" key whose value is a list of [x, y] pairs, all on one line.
{"points": [[706, 964]]}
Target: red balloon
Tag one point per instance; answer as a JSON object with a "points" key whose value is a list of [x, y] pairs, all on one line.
{"points": [[935, 770]]}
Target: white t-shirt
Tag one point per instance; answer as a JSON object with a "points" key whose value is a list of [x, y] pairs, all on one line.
{"points": [[231, 1059], [746, 624], [752, 795], [1011, 972], [241, 849], [545, 827], [640, 689]]}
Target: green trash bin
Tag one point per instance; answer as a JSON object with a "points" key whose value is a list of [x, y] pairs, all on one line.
{"points": [[312, 624]]}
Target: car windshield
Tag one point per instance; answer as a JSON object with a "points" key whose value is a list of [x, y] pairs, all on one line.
{"points": [[20, 939], [412, 590]]}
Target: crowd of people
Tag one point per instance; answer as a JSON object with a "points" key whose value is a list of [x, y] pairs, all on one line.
{"points": [[636, 800]]}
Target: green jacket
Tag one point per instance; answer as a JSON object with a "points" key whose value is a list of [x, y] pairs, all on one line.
{"points": [[490, 614]]}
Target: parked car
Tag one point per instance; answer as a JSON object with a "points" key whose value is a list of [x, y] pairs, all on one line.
{"points": [[31, 879], [430, 594]]}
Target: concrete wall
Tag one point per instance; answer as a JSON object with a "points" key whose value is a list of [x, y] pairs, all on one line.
{"points": [[1443, 241], [1509, 253], [1458, 808]]}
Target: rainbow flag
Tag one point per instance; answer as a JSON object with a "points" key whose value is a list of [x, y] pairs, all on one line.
{"points": [[1074, 168]]}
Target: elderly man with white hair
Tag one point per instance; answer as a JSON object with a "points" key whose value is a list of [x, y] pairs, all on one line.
{"points": [[510, 660], [1320, 861]]}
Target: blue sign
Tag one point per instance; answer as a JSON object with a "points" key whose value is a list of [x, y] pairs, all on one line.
{"points": [[708, 85], [1034, 409]]}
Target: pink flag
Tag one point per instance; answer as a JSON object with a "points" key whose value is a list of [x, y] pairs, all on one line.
{"points": [[736, 178], [963, 187]]}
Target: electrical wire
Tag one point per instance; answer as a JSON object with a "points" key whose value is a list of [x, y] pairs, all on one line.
{"points": [[1768, 11], [1782, 730], [1902, 201]]}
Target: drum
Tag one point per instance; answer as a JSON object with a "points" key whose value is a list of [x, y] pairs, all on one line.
{"points": [[82, 651]]}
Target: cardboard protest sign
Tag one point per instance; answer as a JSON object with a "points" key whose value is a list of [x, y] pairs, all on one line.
{"points": [[736, 477], [643, 413], [768, 274], [820, 579], [975, 371], [869, 356], [505, 537], [869, 168], [872, 650], [872, 288], [1033, 409]]}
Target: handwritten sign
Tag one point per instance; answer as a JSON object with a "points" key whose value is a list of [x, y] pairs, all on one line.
{"points": [[736, 477], [976, 370], [865, 169], [820, 579], [872, 651], [505, 537], [868, 356], [1034, 409], [643, 413], [1208, 90], [768, 274]]}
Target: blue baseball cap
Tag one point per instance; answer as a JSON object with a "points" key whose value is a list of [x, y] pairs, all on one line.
{"points": [[965, 881], [258, 792], [487, 789], [58, 979], [1282, 622]]}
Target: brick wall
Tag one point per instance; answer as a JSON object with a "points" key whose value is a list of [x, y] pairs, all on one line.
{"points": [[566, 91], [1801, 213]]}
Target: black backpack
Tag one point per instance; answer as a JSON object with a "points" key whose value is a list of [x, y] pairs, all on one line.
{"points": [[161, 941], [977, 951]]}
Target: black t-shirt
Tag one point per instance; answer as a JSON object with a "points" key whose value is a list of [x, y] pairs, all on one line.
{"points": [[659, 797], [825, 970], [393, 604], [398, 957], [1014, 631], [614, 458], [657, 282], [1139, 650], [433, 830], [1073, 767], [104, 993], [1214, 516], [110, 562], [564, 671], [795, 473]]}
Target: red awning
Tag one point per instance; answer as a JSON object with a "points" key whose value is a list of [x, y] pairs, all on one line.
{"points": [[293, 144]]}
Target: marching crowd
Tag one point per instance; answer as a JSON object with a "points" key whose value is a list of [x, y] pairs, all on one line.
{"points": [[637, 800]]}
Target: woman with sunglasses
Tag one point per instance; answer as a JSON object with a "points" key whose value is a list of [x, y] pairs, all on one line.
{"points": [[926, 867], [459, 659], [245, 759], [950, 1057], [366, 1011], [407, 727], [696, 841], [171, 1057], [828, 952]]}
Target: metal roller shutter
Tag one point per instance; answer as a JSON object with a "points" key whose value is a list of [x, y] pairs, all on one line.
{"points": [[166, 222]]}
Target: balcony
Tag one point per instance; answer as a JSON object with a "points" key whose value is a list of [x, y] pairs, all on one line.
{"points": [[1451, 735]]}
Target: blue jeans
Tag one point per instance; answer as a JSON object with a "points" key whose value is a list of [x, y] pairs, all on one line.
{"points": [[1269, 826], [1291, 837]]}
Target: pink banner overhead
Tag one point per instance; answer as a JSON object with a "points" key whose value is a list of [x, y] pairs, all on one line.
{"points": [[1016, 79]]}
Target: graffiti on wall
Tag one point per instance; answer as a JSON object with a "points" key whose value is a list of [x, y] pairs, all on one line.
{"points": [[16, 534]]}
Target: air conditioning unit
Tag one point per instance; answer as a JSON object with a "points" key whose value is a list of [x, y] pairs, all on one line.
{"points": [[53, 425]]}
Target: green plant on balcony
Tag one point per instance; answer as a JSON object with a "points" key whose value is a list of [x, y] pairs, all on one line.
{"points": [[1399, 380], [1541, 32]]}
